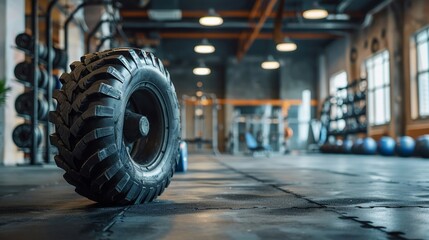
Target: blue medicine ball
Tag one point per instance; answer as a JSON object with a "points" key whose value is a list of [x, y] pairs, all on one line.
{"points": [[422, 146], [386, 146], [405, 146], [347, 146], [369, 146], [356, 148]]}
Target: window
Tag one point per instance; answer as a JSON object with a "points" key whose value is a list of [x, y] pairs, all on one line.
{"points": [[338, 80], [422, 47], [378, 74]]}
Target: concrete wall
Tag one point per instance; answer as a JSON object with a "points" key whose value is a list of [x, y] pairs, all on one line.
{"points": [[296, 75], [185, 81], [247, 80]]}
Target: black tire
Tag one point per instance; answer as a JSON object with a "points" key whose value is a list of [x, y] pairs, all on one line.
{"points": [[89, 125]]}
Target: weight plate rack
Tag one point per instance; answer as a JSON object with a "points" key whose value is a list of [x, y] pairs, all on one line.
{"points": [[35, 74]]}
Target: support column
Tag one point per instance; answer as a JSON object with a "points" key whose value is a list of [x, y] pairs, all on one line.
{"points": [[12, 22]]}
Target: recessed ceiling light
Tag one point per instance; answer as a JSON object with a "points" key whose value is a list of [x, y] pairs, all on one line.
{"points": [[286, 46], [212, 19], [315, 12], [270, 63], [204, 47]]}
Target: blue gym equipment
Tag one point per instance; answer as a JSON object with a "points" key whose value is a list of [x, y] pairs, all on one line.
{"points": [[386, 146], [405, 146]]}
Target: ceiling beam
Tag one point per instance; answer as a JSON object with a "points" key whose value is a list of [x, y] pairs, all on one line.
{"points": [[241, 25], [252, 14], [343, 5], [262, 36], [242, 49]]}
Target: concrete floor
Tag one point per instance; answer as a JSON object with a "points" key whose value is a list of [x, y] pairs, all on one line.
{"points": [[288, 197]]}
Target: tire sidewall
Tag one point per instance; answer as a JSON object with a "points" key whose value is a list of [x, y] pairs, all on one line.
{"points": [[151, 77]]}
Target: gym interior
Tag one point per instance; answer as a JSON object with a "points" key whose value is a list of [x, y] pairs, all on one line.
{"points": [[244, 119]]}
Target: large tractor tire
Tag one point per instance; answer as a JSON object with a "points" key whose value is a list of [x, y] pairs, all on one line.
{"points": [[117, 126]]}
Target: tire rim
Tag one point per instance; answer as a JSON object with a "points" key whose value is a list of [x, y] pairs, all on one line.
{"points": [[144, 127]]}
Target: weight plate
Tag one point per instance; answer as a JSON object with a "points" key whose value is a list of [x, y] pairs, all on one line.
{"points": [[22, 135]]}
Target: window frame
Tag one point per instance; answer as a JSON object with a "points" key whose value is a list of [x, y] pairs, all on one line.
{"points": [[419, 72], [372, 88]]}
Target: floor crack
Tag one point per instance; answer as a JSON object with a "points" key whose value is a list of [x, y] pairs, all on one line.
{"points": [[363, 224]]}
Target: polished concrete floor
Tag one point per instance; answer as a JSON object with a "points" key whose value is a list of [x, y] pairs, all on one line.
{"points": [[288, 197]]}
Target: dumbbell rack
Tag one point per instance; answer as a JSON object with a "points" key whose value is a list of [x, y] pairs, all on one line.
{"points": [[353, 107]]}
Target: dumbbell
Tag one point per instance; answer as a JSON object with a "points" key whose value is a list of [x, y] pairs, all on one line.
{"points": [[22, 135], [24, 105]]}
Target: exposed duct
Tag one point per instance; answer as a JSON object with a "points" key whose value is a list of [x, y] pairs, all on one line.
{"points": [[167, 10]]}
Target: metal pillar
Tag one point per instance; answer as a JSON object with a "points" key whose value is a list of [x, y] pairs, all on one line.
{"points": [[35, 58], [50, 80]]}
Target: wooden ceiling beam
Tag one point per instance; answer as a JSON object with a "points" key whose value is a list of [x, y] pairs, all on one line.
{"points": [[243, 48]]}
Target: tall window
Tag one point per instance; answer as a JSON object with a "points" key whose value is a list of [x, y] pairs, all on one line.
{"points": [[422, 42], [377, 68], [336, 82]]}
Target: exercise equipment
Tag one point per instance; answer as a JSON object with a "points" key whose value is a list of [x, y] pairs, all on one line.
{"points": [[182, 164], [356, 148], [422, 146], [347, 146], [202, 112], [338, 146], [386, 146], [253, 145], [368, 146], [58, 58], [268, 129], [24, 72], [129, 122], [23, 133], [24, 105], [405, 146]]}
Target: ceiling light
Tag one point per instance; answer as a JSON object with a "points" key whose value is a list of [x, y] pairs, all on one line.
{"points": [[202, 69], [199, 93], [212, 19], [286, 46], [270, 63], [204, 47], [315, 12]]}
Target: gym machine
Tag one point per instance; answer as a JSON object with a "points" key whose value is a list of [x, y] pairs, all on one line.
{"points": [[267, 128], [201, 112]]}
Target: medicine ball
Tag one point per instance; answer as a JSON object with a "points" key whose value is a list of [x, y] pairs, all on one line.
{"points": [[347, 146], [369, 146], [405, 146], [386, 146], [422, 146], [356, 148]]}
